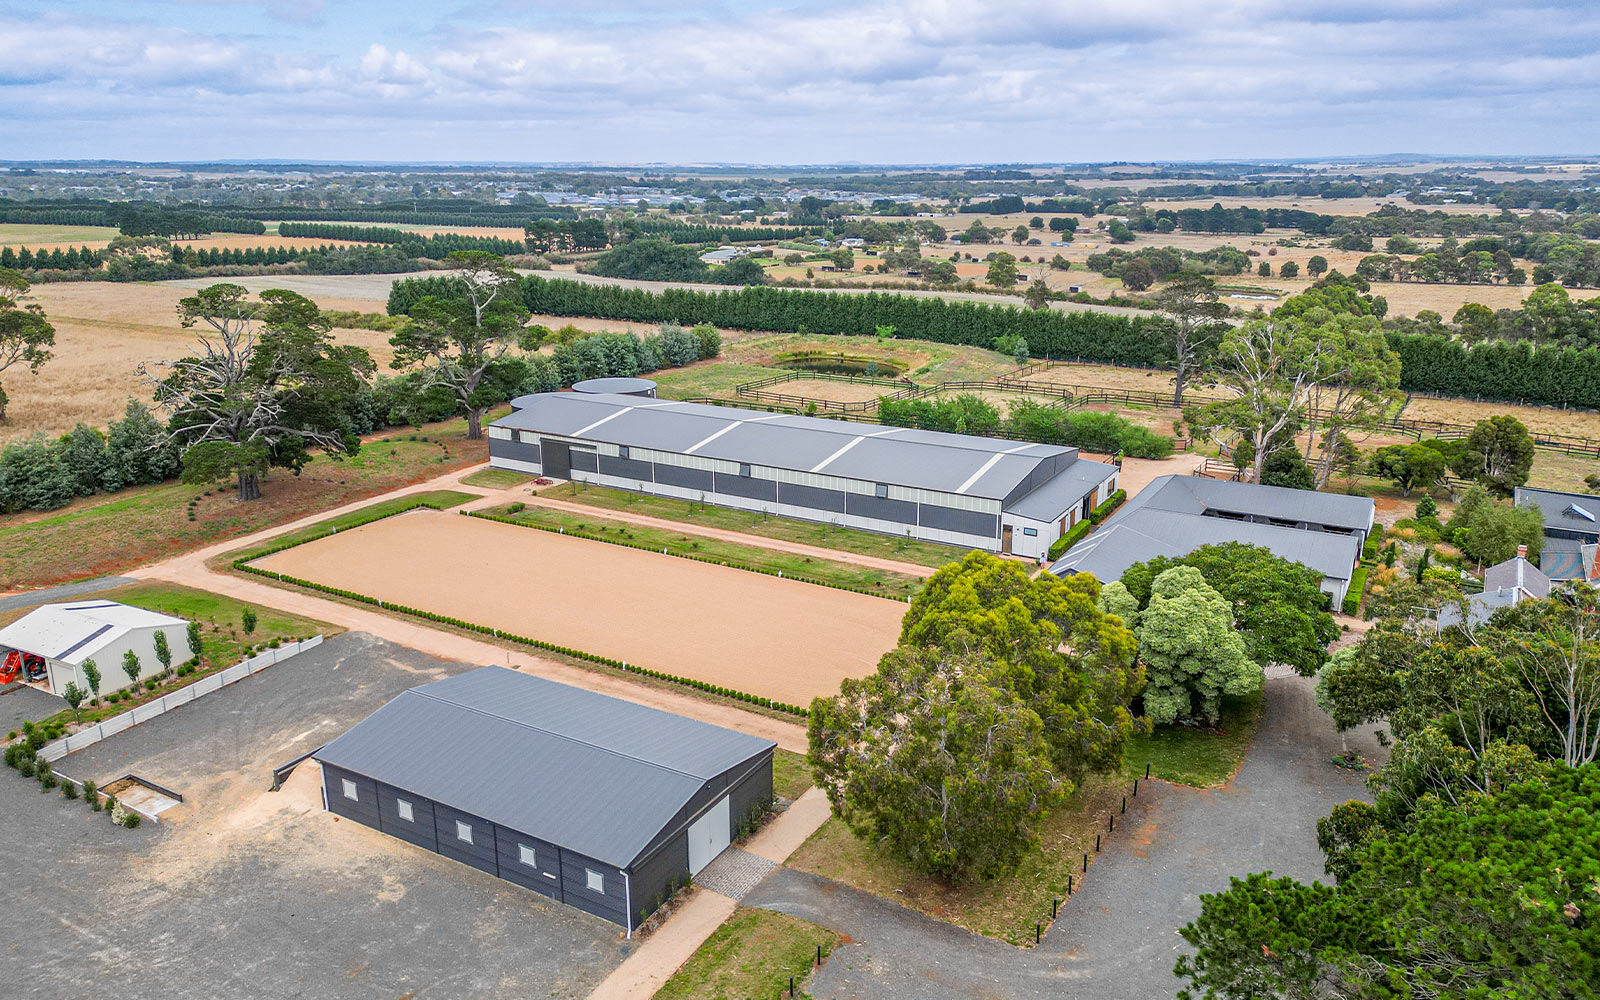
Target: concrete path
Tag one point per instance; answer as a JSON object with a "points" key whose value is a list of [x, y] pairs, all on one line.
{"points": [[1117, 937], [665, 951]]}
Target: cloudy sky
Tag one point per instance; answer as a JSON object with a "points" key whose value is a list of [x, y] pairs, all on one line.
{"points": [[781, 81]]}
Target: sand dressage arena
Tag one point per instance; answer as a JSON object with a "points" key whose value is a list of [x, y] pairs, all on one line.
{"points": [[778, 638]]}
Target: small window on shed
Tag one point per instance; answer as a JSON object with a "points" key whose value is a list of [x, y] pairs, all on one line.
{"points": [[595, 881], [622, 451], [526, 855], [349, 789], [744, 469], [1031, 532], [882, 491], [463, 832], [403, 807]]}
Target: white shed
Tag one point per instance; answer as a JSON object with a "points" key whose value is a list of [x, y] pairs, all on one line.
{"points": [[65, 635]]}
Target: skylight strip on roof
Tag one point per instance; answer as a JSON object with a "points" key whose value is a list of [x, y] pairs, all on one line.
{"points": [[97, 633], [991, 463], [737, 423], [844, 448], [610, 416]]}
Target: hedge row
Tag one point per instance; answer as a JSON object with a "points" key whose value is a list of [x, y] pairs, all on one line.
{"points": [[568, 651], [1352, 597], [504, 519], [1106, 509], [1560, 376], [1075, 534]]}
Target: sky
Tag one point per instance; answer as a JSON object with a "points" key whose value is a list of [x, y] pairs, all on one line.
{"points": [[758, 81]]}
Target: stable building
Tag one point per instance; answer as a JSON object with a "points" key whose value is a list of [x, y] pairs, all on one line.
{"points": [[51, 643], [1174, 515], [596, 802], [983, 493]]}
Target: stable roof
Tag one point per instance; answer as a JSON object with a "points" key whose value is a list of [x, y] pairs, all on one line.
{"points": [[931, 460], [1575, 512], [588, 772], [74, 631]]}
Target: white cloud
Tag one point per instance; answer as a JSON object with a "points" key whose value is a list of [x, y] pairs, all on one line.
{"points": [[896, 80]]}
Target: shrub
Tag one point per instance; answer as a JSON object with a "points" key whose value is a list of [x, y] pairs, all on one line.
{"points": [[1074, 535], [1352, 597], [25, 767], [517, 508], [69, 790], [130, 820], [46, 776]]}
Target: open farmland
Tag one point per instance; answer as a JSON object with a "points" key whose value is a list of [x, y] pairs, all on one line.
{"points": [[761, 634], [1539, 419], [103, 331], [19, 234]]}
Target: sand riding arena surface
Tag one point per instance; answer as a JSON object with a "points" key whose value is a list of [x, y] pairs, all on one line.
{"points": [[768, 636]]}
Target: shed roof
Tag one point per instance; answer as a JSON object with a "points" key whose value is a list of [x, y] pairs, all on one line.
{"points": [[74, 631], [932, 460], [1575, 512], [585, 771], [1063, 491]]}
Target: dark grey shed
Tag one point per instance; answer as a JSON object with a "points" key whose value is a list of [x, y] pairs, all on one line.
{"points": [[594, 801]]}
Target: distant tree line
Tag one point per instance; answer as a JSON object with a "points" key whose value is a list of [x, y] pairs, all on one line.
{"points": [[435, 247], [57, 259]]}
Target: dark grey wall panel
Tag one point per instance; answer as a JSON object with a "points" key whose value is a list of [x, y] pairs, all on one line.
{"points": [[575, 891], [364, 808], [749, 793], [481, 853], [747, 486], [689, 479], [419, 829], [623, 468], [584, 461], [970, 522], [655, 876], [545, 873], [813, 497], [882, 508], [501, 448]]}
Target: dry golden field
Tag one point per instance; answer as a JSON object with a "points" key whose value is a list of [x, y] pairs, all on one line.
{"points": [[1539, 419], [103, 331], [1322, 206]]}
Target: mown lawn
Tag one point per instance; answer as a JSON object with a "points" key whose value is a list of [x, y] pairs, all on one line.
{"points": [[753, 954], [740, 556], [107, 534], [1004, 908], [433, 499], [496, 479], [1192, 755], [223, 639], [791, 776], [709, 378], [829, 536]]}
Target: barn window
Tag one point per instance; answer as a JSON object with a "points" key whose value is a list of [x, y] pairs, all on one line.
{"points": [[1031, 532], [744, 469], [403, 807], [595, 880], [349, 789], [526, 856], [622, 451], [882, 491], [463, 832]]}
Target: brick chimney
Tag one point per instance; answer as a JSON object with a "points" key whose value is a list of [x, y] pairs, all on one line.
{"points": [[1522, 552]]}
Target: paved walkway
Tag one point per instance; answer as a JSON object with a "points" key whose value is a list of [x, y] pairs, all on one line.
{"points": [[664, 951], [1117, 938]]}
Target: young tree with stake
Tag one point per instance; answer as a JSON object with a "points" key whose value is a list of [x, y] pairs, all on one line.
{"points": [[91, 674], [132, 667]]}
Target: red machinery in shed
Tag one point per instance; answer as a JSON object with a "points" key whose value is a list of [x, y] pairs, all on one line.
{"points": [[26, 665]]}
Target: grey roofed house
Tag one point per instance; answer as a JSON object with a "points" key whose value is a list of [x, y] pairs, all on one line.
{"points": [[608, 787], [1504, 585], [1174, 515], [1571, 523]]}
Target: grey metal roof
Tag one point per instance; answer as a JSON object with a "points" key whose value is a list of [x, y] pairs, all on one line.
{"points": [[585, 771], [625, 386], [1170, 517], [1056, 497], [1479, 607], [1562, 511], [947, 463], [1516, 573]]}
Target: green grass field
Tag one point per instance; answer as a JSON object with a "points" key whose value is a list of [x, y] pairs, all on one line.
{"points": [[828, 536], [496, 479], [17, 234], [791, 776], [715, 378], [753, 557], [1188, 755], [752, 955]]}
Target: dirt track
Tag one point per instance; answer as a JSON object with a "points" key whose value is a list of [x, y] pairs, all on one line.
{"points": [[786, 640]]}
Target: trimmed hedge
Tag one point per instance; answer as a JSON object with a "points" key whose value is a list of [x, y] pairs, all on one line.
{"points": [[1358, 585], [1369, 549], [503, 519], [1108, 508], [1073, 536]]}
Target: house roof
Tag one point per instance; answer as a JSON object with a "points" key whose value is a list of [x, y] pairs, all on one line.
{"points": [[585, 771], [1064, 491], [1576, 512], [932, 460], [1175, 515], [1517, 573], [74, 631]]}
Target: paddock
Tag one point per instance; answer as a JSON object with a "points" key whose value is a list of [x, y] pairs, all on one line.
{"points": [[768, 636]]}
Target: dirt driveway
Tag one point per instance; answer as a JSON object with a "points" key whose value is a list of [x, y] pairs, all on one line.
{"points": [[250, 893], [768, 636]]}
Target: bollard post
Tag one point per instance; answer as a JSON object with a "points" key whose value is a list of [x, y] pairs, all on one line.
{"points": [[791, 986], [1097, 843], [819, 956], [1124, 803], [1036, 933], [1086, 864], [1111, 824], [1055, 905], [1069, 886], [1147, 770], [1135, 787]]}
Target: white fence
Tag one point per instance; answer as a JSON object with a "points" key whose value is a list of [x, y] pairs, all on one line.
{"points": [[150, 709]]}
